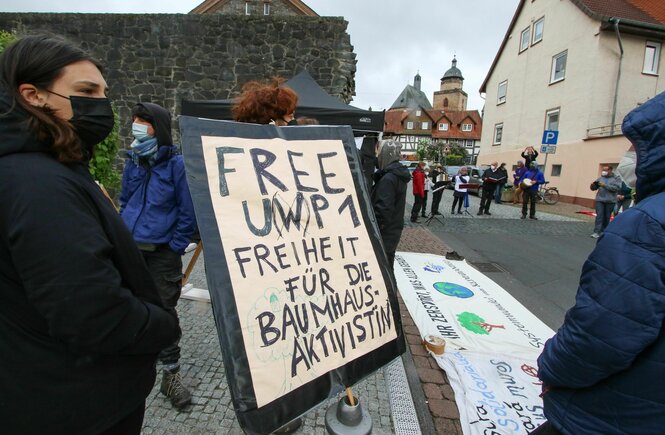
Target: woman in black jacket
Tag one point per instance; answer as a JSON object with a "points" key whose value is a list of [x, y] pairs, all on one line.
{"points": [[80, 318], [389, 195]]}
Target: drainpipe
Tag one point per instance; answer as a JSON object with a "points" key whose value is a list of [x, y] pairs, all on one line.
{"points": [[615, 21]]}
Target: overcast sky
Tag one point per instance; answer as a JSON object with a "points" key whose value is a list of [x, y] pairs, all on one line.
{"points": [[393, 40]]}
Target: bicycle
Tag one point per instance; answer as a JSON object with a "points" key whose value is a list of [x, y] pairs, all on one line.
{"points": [[549, 195]]}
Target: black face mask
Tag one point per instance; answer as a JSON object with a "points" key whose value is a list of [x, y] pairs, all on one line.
{"points": [[92, 119]]}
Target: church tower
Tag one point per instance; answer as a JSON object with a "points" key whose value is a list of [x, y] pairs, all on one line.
{"points": [[451, 97]]}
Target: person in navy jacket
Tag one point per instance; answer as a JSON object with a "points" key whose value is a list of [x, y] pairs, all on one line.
{"points": [[603, 370], [157, 208]]}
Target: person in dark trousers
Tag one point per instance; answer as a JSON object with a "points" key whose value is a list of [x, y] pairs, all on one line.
{"points": [[529, 155], [503, 178], [606, 186], [156, 206], [602, 371], [438, 183], [418, 191], [389, 195], [624, 198], [458, 195], [490, 178], [530, 189], [81, 319]]}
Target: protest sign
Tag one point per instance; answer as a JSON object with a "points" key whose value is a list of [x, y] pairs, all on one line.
{"points": [[469, 310], [302, 294]]}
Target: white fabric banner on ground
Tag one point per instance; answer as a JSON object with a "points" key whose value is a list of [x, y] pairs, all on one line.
{"points": [[492, 342], [470, 311], [495, 394]]}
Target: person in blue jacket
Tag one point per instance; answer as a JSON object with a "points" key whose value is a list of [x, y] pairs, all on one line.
{"points": [[157, 208], [529, 194], [603, 371]]}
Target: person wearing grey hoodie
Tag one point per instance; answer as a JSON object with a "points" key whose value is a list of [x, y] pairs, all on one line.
{"points": [[606, 187], [389, 195]]}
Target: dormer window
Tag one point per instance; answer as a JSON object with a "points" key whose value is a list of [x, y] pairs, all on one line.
{"points": [[467, 127], [443, 126]]}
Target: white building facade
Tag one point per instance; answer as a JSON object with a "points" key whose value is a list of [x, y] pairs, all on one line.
{"points": [[561, 68]]}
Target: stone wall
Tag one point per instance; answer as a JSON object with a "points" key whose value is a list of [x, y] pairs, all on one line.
{"points": [[165, 58]]}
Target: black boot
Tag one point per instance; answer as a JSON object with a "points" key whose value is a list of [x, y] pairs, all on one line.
{"points": [[173, 388]]}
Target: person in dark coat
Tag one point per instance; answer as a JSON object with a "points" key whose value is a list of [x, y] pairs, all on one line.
{"points": [[535, 179], [389, 195], [503, 178], [156, 206], [529, 155], [81, 319], [491, 177], [602, 371], [438, 184]]}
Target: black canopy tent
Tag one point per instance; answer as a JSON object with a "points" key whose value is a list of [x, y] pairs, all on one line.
{"points": [[313, 102]]}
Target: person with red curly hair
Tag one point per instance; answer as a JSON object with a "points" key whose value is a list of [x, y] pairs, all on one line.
{"points": [[266, 103]]}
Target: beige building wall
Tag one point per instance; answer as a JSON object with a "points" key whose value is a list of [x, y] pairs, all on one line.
{"points": [[585, 97]]}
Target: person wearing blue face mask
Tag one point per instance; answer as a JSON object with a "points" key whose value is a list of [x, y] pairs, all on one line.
{"points": [[157, 208]]}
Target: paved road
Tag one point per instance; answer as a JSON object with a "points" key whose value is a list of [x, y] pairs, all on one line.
{"points": [[539, 261]]}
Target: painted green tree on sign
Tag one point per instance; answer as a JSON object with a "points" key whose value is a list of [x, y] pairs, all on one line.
{"points": [[475, 323]]}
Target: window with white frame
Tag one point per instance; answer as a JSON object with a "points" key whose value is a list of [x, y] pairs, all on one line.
{"points": [[469, 143], [651, 57], [498, 133], [552, 119], [524, 39], [467, 127], [559, 67], [425, 125], [443, 126], [409, 125], [501, 93], [247, 8], [538, 28], [418, 112], [266, 8]]}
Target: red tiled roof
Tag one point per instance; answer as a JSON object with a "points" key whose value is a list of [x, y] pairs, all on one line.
{"points": [[394, 123], [211, 6], [655, 8], [637, 10], [455, 129]]}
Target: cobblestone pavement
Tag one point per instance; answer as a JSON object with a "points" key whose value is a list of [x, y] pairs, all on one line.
{"points": [[203, 372], [505, 219]]}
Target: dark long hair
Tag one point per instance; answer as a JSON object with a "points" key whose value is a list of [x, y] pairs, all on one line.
{"points": [[261, 103], [39, 61]]}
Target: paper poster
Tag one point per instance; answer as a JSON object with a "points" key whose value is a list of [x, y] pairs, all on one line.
{"points": [[299, 285]]}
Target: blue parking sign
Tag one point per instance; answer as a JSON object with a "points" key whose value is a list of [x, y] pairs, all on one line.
{"points": [[550, 137]]}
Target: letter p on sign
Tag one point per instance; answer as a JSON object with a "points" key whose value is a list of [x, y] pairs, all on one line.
{"points": [[550, 137]]}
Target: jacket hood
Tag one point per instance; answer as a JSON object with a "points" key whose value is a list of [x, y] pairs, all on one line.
{"points": [[161, 122], [15, 137], [645, 128], [399, 170]]}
